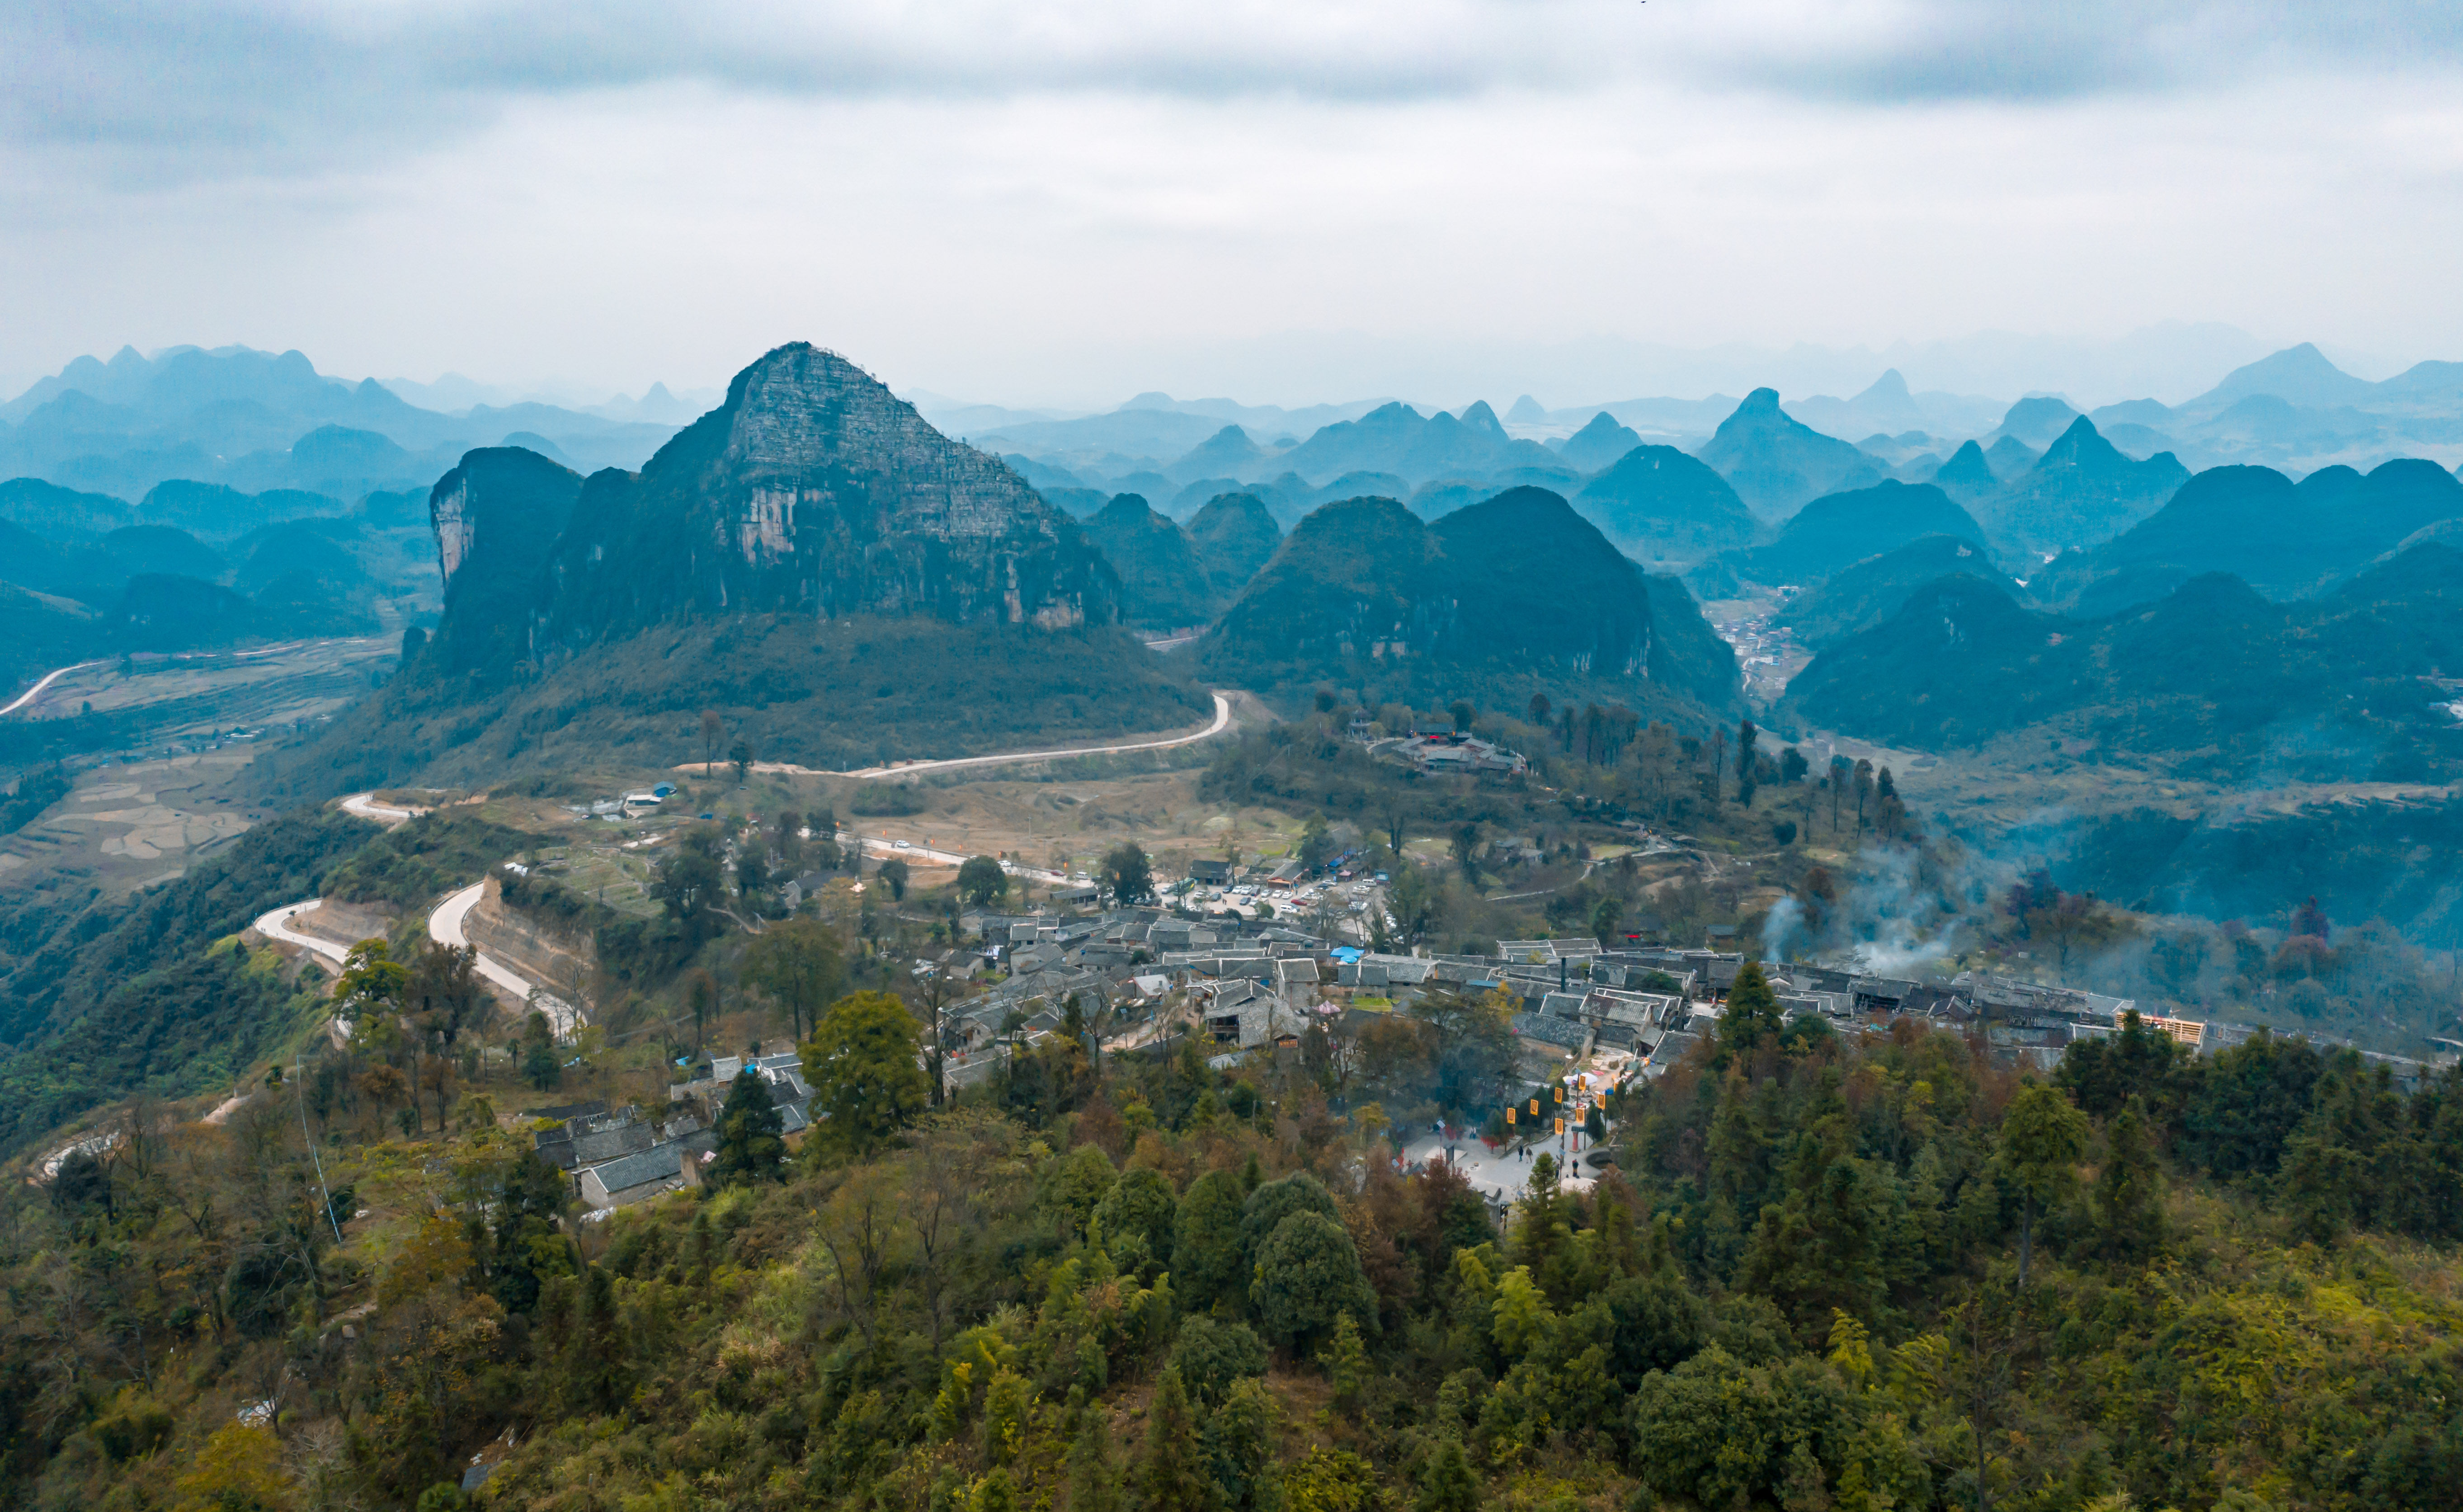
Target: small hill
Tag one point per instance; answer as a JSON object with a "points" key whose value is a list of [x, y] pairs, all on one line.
{"points": [[162, 548], [219, 512], [1163, 585], [1510, 596], [1833, 532], [57, 514], [2081, 490], [2036, 420], [2299, 375], [32, 562], [1967, 476], [1655, 502], [2118, 592], [1227, 453], [1777, 465], [1597, 444], [1394, 439], [162, 612], [2283, 539], [289, 549], [1864, 594], [2009, 457], [38, 634], [1234, 537]]}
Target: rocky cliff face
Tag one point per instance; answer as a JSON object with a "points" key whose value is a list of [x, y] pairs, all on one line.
{"points": [[815, 490], [496, 518]]}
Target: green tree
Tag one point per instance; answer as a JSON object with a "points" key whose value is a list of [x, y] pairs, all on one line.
{"points": [[1274, 1201], [1173, 1475], [692, 881], [1141, 1209], [1094, 1467], [1075, 1184], [1126, 873], [1607, 921], [1208, 1260], [1464, 713], [1210, 1356], [1346, 1364], [861, 1065], [799, 965], [893, 875], [981, 881], [1308, 1275], [2043, 1139], [1448, 1485], [751, 1145], [371, 977], [1317, 842], [740, 757], [1752, 1013], [2129, 1188], [1746, 736]]}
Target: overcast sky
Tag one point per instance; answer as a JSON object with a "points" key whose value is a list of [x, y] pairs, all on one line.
{"points": [[1284, 201]]}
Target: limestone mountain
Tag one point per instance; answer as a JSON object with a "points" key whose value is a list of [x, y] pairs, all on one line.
{"points": [[814, 489], [1513, 594], [1162, 583], [811, 560], [1656, 503], [2282, 538], [1841, 528], [1870, 591], [1776, 464], [1601, 442], [2081, 490], [1233, 537]]}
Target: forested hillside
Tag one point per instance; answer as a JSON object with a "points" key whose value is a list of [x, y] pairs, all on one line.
{"points": [[1875, 1271]]}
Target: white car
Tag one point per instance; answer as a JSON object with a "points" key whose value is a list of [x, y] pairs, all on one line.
{"points": [[899, 844]]}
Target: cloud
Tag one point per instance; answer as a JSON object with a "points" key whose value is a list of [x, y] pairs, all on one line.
{"points": [[176, 90]]}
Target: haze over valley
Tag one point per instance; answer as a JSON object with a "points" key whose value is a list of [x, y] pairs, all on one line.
{"points": [[1479, 758]]}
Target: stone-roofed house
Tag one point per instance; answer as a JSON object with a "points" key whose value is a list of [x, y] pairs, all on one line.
{"points": [[633, 1179]]}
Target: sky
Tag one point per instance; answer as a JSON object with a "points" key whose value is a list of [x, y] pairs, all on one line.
{"points": [[1280, 201]]}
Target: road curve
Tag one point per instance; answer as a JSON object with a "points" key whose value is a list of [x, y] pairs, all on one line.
{"points": [[276, 926], [445, 928], [1222, 722], [49, 678], [366, 806]]}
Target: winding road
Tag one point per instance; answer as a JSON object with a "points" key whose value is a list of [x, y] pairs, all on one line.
{"points": [[49, 678], [276, 926], [1222, 722], [445, 928]]}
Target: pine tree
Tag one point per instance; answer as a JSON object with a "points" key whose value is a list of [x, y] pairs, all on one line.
{"points": [[1449, 1485], [1752, 1013], [1173, 1475], [750, 1147], [1093, 1470], [2042, 1138], [1346, 1363], [2129, 1195]]}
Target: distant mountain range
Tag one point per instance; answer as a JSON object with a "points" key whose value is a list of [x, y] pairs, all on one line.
{"points": [[2211, 679], [257, 420]]}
